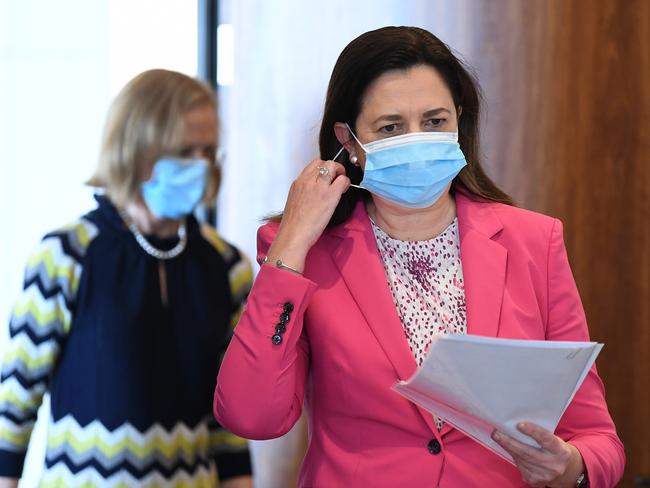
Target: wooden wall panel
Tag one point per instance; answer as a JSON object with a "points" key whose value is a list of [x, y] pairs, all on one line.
{"points": [[567, 133]]}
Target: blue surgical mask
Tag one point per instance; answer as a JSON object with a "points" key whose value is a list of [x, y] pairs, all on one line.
{"points": [[412, 170], [176, 186]]}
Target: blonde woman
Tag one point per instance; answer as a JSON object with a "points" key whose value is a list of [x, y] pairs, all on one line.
{"points": [[125, 312]]}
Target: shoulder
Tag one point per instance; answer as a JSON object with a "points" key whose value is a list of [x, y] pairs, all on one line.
{"points": [[76, 235], [486, 214], [265, 236], [529, 231], [67, 244], [533, 231], [526, 234], [56, 262], [524, 220]]}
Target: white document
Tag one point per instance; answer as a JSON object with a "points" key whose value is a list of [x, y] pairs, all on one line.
{"points": [[478, 384]]}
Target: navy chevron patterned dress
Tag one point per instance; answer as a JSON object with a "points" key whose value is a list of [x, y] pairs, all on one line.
{"points": [[130, 370]]}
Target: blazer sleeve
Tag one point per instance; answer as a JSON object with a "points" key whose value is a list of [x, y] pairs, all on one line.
{"points": [[261, 383], [586, 423]]}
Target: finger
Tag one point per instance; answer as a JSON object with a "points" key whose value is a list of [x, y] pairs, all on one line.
{"points": [[517, 449], [312, 167], [328, 171], [324, 168], [311, 171], [546, 439], [336, 168], [341, 184], [533, 474], [324, 174]]}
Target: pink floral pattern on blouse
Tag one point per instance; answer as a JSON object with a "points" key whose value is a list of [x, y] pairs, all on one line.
{"points": [[426, 282]]}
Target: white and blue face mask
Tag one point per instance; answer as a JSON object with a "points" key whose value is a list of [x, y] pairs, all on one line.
{"points": [[412, 170], [176, 187]]}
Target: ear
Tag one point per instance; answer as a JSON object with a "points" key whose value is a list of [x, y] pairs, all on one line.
{"points": [[344, 137], [459, 111]]}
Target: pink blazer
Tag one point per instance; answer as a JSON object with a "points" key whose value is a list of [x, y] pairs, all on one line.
{"points": [[344, 347]]}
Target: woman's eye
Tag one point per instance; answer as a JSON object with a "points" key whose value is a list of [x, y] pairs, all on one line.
{"points": [[210, 153], [388, 129], [435, 122], [186, 152], [189, 152]]}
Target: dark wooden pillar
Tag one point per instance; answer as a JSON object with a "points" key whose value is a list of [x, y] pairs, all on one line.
{"points": [[567, 132]]}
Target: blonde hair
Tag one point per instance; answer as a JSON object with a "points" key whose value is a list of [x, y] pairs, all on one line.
{"points": [[145, 120]]}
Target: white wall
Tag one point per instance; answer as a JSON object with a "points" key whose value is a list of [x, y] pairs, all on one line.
{"points": [[284, 51]]}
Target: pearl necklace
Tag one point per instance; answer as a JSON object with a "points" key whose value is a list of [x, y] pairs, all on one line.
{"points": [[149, 248]]}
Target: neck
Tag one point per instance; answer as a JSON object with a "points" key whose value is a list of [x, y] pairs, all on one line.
{"points": [[148, 223], [413, 224]]}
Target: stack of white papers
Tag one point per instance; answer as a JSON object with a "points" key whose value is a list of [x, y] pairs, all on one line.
{"points": [[478, 384]]}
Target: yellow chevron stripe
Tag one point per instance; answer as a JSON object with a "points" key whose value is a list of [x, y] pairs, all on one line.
{"points": [[42, 318], [241, 280], [16, 439], [59, 481], [204, 482], [81, 232], [213, 238], [157, 443], [53, 269], [29, 361], [8, 396], [225, 438]]}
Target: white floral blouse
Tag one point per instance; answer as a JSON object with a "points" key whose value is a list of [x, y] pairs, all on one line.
{"points": [[426, 282]]}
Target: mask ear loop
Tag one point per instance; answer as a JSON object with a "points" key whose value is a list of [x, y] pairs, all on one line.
{"points": [[355, 137], [334, 159], [337, 154]]}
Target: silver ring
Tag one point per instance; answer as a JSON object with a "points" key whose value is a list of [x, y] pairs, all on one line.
{"points": [[323, 171]]}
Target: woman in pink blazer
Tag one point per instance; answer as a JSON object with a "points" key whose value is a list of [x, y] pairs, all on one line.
{"points": [[403, 239]]}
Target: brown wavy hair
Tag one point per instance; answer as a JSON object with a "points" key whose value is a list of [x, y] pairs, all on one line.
{"points": [[399, 48]]}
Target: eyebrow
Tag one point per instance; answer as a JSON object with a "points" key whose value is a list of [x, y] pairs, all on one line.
{"points": [[435, 111], [397, 117]]}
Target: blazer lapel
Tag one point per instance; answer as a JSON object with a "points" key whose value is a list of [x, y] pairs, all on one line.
{"points": [[484, 265], [358, 261]]}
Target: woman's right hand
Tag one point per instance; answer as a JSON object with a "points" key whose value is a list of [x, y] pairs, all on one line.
{"points": [[312, 199]]}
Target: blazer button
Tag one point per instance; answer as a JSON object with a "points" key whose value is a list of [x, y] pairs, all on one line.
{"points": [[434, 446], [284, 318], [276, 339], [288, 307]]}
